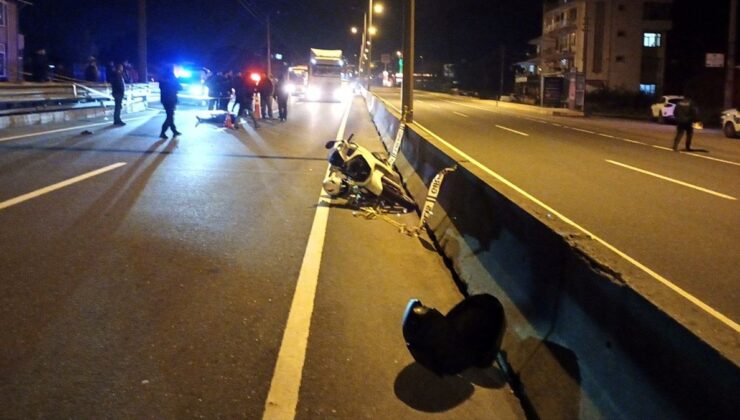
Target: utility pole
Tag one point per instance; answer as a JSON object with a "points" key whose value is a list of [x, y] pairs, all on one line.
{"points": [[362, 46], [269, 49], [407, 94], [142, 42], [730, 70], [501, 82], [369, 43]]}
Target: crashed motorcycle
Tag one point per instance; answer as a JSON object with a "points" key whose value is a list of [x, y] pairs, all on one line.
{"points": [[357, 172]]}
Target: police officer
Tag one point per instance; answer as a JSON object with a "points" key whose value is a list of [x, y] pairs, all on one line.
{"points": [[281, 94], [168, 87], [686, 115], [118, 89]]}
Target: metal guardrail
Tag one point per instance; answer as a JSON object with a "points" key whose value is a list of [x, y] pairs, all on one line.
{"points": [[27, 97]]}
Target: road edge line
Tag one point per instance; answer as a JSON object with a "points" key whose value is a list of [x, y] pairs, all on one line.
{"points": [[282, 398]]}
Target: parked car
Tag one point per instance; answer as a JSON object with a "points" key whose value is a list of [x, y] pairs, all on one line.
{"points": [[730, 122], [663, 109]]}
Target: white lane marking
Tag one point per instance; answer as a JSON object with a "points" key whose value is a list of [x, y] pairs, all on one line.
{"points": [[711, 158], [513, 131], [61, 130], [282, 400], [59, 185], [566, 126], [686, 295], [582, 130], [460, 114], [675, 181], [631, 141], [655, 146]]}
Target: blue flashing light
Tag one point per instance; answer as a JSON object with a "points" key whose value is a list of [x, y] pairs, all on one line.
{"points": [[181, 72]]}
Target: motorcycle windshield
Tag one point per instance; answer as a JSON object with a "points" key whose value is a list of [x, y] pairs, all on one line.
{"points": [[335, 159], [357, 169]]}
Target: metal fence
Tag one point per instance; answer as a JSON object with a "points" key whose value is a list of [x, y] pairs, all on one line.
{"points": [[27, 97]]}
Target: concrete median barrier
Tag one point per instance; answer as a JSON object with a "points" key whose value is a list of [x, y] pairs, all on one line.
{"points": [[589, 334]]}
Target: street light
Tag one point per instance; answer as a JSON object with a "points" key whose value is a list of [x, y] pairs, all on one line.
{"points": [[353, 30], [371, 30]]}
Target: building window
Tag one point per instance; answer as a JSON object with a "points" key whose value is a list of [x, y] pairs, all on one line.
{"points": [[652, 40], [3, 12], [647, 89], [621, 34], [621, 8], [3, 64], [620, 59]]}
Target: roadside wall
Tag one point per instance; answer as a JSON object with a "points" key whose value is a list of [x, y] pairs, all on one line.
{"points": [[51, 115], [582, 342]]}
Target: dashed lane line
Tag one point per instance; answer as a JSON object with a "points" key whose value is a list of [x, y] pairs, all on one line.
{"points": [[598, 133], [512, 130], [59, 185], [710, 158], [675, 181], [460, 114], [582, 130]]}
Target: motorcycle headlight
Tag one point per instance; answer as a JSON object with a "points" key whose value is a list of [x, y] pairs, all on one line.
{"points": [[334, 185]]}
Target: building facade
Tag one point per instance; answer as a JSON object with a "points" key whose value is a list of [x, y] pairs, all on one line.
{"points": [[11, 42], [612, 44]]}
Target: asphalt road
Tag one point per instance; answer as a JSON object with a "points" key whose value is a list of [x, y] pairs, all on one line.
{"points": [[149, 278], [676, 213]]}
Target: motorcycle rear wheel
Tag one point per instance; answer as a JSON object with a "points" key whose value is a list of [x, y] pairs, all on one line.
{"points": [[394, 193]]}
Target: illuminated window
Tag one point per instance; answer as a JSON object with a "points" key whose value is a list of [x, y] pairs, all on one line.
{"points": [[2, 61], [652, 40], [3, 12], [648, 89]]}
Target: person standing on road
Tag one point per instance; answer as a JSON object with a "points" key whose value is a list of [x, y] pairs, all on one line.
{"points": [[686, 115], [266, 92], [281, 95], [118, 89], [168, 87]]}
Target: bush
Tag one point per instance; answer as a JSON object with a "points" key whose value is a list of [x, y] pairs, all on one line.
{"points": [[619, 103]]}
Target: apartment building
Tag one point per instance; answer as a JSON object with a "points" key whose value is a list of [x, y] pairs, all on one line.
{"points": [[11, 42], [614, 44]]}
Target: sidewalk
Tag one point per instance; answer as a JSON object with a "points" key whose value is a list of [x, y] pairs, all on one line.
{"points": [[357, 365]]}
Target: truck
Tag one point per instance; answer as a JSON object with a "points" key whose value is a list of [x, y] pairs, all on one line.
{"points": [[325, 76]]}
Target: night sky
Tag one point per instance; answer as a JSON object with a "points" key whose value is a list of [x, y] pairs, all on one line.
{"points": [[224, 34]]}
